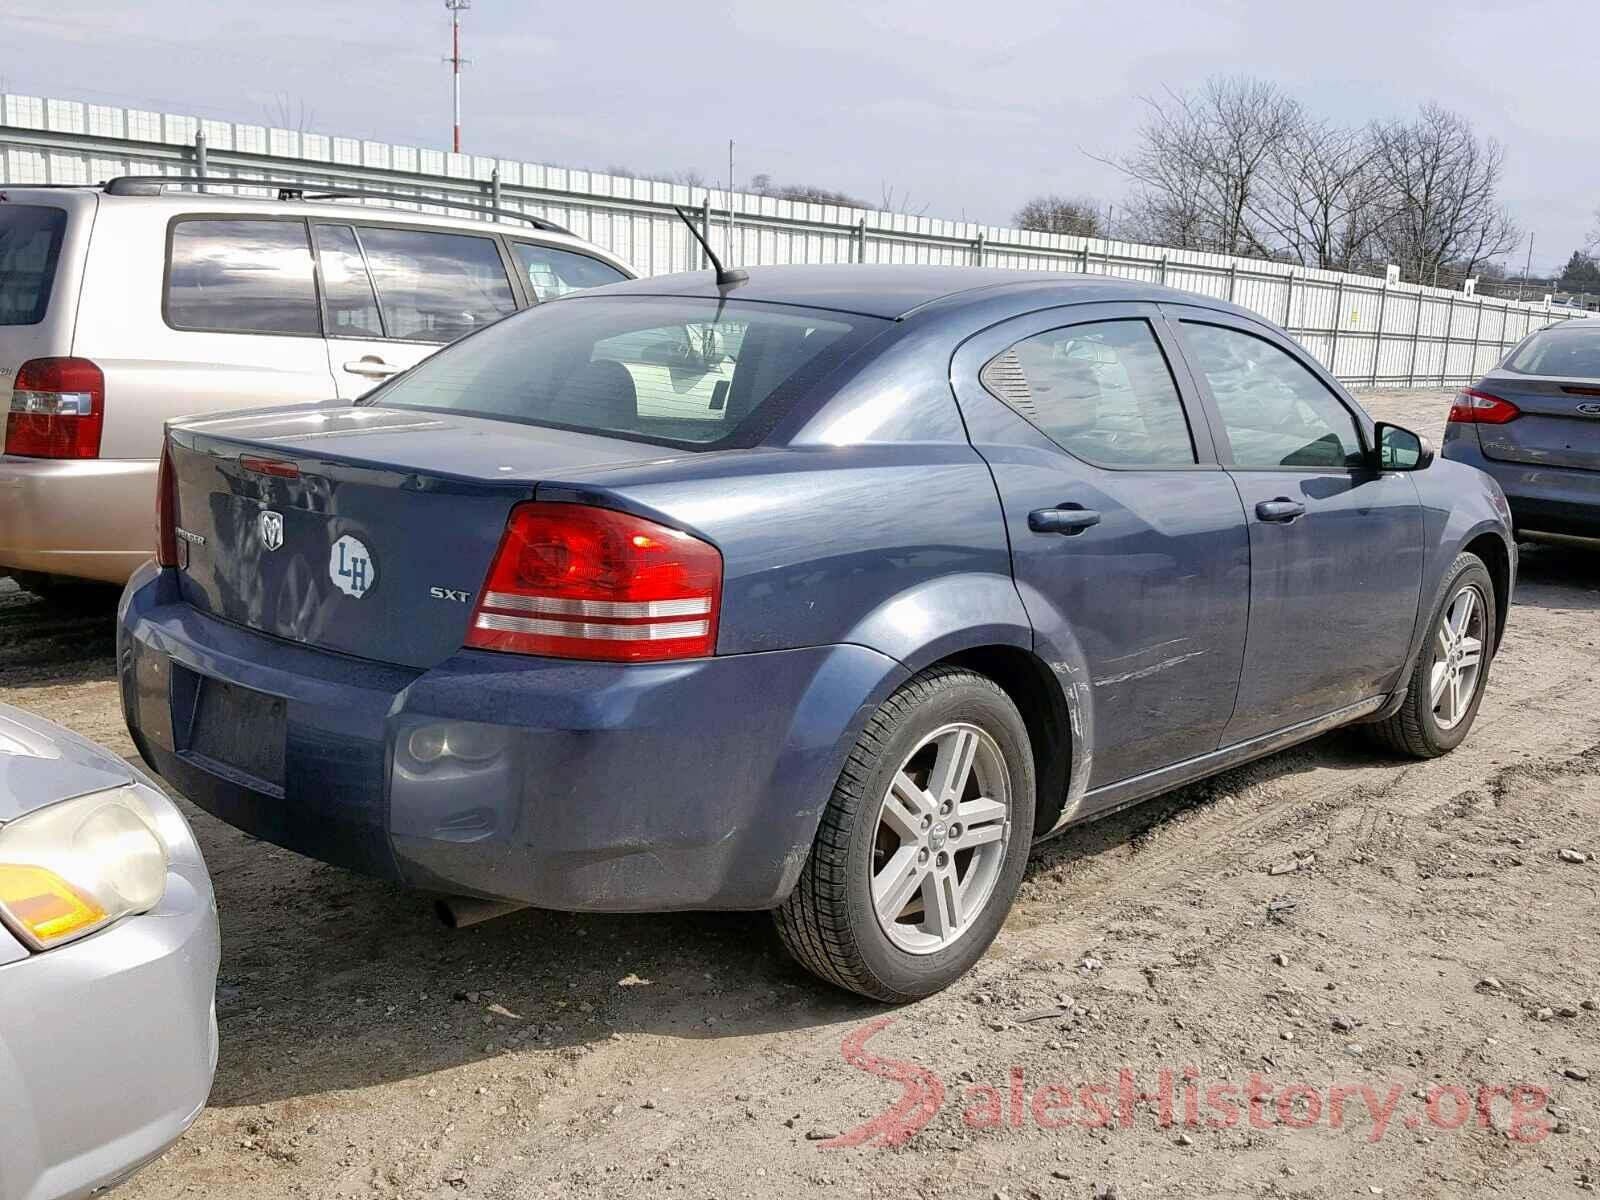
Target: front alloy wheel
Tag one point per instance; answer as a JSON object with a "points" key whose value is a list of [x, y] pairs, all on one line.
{"points": [[1458, 657], [923, 843], [1446, 685]]}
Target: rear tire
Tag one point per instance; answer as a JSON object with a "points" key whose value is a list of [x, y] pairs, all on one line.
{"points": [[1435, 720], [923, 843]]}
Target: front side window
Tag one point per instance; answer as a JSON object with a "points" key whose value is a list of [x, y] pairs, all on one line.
{"points": [[550, 272], [242, 276], [436, 287], [1102, 391], [684, 372], [1275, 412], [30, 245]]}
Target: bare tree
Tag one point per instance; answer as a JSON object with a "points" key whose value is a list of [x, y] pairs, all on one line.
{"points": [[1078, 216], [286, 112], [805, 193], [1443, 209], [1201, 160], [1321, 200], [901, 203]]}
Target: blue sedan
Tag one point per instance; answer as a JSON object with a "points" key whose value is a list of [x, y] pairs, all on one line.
{"points": [[1534, 424], [829, 591]]}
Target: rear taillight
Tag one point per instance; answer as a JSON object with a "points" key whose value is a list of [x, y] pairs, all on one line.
{"points": [[166, 511], [1480, 408], [58, 407], [570, 581]]}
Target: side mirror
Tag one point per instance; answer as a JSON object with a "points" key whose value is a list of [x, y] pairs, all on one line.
{"points": [[1399, 449]]}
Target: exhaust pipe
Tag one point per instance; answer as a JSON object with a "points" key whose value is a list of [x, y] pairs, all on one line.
{"points": [[458, 912]]}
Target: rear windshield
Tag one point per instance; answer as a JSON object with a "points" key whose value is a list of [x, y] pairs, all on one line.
{"points": [[680, 372], [1570, 353], [30, 244]]}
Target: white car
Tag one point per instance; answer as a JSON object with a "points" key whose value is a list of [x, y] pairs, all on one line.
{"points": [[108, 966], [128, 304]]}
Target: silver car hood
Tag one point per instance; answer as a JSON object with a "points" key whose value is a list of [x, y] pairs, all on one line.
{"points": [[41, 763]]}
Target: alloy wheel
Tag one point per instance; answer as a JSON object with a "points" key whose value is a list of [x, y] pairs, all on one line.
{"points": [[1458, 658], [943, 831]]}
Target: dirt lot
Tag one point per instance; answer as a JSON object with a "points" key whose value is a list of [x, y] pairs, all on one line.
{"points": [[1328, 918]]}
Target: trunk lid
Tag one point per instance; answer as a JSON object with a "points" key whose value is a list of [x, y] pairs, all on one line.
{"points": [[366, 531], [1559, 425]]}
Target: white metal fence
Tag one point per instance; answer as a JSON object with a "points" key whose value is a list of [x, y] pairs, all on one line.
{"points": [[1367, 332]]}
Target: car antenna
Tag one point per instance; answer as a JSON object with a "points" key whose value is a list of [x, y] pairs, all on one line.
{"points": [[724, 276]]}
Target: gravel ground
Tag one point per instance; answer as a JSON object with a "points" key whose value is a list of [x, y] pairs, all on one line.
{"points": [[1328, 918]]}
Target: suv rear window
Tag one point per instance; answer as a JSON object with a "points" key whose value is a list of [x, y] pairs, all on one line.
{"points": [[1571, 353], [30, 245], [680, 372]]}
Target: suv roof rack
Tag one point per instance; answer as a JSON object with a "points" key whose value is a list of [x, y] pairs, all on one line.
{"points": [[154, 185]]}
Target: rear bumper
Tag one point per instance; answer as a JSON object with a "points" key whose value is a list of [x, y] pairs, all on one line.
{"points": [[589, 786], [89, 518], [1542, 499], [108, 1045]]}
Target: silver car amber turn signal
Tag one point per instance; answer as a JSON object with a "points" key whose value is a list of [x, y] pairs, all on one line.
{"points": [[77, 866]]}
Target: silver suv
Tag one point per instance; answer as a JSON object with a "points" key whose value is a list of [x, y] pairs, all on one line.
{"points": [[130, 303]]}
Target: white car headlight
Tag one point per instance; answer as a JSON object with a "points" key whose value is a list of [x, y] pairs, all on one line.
{"points": [[74, 867]]}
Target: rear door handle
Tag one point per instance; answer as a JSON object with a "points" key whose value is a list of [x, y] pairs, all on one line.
{"points": [[372, 368], [1282, 509], [1062, 520]]}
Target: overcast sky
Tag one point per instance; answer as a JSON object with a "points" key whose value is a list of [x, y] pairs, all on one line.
{"points": [[968, 108]]}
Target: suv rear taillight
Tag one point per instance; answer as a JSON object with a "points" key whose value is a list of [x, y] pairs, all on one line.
{"points": [[571, 581], [1480, 408], [58, 406], [166, 511]]}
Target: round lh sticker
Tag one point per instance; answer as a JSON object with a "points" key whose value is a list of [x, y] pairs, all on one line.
{"points": [[351, 568]]}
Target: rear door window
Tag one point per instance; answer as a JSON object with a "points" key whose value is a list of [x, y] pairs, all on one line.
{"points": [[1102, 391], [347, 295], [242, 276], [683, 372], [435, 287], [550, 272], [30, 246]]}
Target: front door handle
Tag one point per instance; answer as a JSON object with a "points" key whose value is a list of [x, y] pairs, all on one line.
{"points": [[1281, 510], [1065, 520], [372, 367]]}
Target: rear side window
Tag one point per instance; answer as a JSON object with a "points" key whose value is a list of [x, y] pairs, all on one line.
{"points": [[1572, 354], [1102, 391], [242, 276], [550, 272], [347, 293], [435, 287], [30, 245], [680, 372]]}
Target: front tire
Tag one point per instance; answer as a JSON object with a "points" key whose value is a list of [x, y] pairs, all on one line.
{"points": [[1447, 684], [923, 844]]}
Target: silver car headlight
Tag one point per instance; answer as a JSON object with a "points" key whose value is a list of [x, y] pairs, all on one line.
{"points": [[76, 866]]}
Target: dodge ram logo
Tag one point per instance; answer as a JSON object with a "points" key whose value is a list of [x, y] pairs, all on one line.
{"points": [[270, 526]]}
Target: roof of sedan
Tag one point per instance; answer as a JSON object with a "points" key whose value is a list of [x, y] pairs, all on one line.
{"points": [[893, 291]]}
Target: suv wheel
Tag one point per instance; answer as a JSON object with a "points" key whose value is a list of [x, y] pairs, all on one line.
{"points": [[923, 843], [1446, 686]]}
